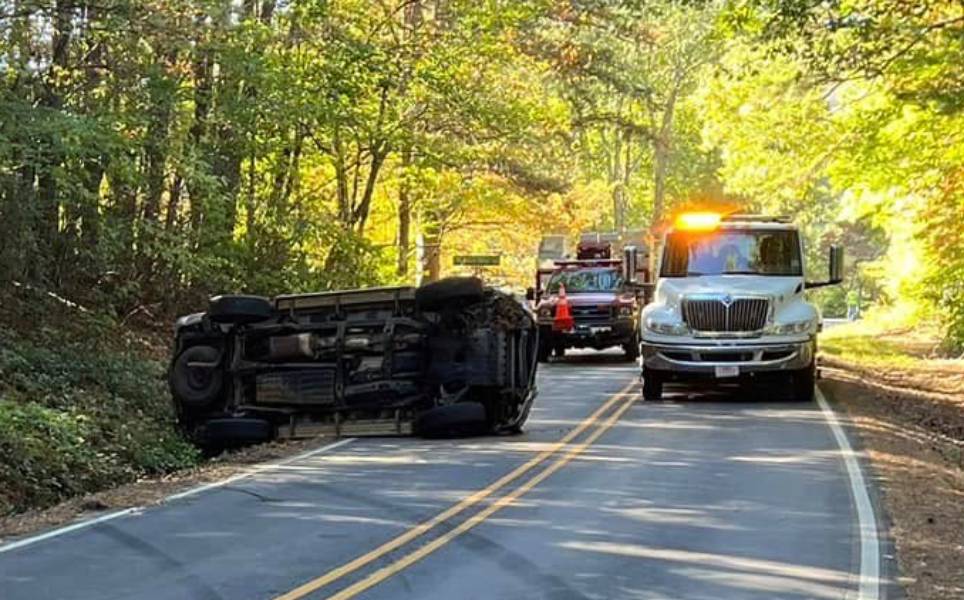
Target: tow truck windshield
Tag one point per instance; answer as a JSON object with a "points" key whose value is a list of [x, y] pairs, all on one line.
{"points": [[733, 252], [586, 280]]}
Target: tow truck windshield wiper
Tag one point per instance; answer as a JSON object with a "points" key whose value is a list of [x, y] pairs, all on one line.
{"points": [[759, 273]]}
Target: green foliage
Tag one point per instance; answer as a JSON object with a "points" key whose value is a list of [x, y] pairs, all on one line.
{"points": [[150, 158], [75, 418]]}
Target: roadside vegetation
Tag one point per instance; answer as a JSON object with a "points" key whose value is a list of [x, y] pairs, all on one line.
{"points": [[83, 405]]}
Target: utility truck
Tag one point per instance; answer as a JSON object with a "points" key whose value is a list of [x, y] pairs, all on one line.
{"points": [[730, 305], [593, 300]]}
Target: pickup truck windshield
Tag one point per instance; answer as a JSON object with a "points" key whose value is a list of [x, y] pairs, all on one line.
{"points": [[732, 252], [586, 280]]}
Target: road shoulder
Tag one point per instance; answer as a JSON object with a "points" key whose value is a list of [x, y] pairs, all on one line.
{"points": [[154, 490], [920, 481]]}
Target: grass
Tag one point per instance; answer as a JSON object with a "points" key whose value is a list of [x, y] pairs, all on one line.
{"points": [[885, 338], [83, 405]]}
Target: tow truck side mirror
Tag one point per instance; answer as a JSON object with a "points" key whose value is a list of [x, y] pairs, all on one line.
{"points": [[836, 269], [630, 262], [530, 294], [836, 264]]}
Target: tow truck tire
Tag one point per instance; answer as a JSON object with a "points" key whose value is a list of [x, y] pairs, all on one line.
{"points": [[196, 386], [652, 386], [239, 310], [458, 291], [803, 382], [453, 420]]}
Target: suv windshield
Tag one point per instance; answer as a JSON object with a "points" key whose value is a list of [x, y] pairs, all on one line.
{"points": [[732, 252], [587, 280]]}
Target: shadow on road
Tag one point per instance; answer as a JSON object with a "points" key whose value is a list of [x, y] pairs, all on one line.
{"points": [[697, 392]]}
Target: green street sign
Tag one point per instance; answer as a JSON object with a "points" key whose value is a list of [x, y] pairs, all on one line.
{"points": [[478, 260]]}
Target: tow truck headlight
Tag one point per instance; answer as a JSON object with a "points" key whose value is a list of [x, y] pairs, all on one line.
{"points": [[666, 327], [793, 328]]}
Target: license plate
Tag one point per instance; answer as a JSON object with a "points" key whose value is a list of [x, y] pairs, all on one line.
{"points": [[727, 371], [595, 330]]}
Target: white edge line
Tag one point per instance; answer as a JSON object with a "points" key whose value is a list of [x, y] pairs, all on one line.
{"points": [[189, 492], [869, 586]]}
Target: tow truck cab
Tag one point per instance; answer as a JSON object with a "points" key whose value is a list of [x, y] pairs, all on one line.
{"points": [[592, 301], [729, 305]]}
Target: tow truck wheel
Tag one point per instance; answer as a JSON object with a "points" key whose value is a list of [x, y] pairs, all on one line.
{"points": [[803, 382], [652, 385]]}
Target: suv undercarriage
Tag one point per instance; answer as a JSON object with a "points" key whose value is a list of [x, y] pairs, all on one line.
{"points": [[449, 358]]}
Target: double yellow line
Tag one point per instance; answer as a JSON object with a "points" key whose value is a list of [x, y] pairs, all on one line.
{"points": [[467, 502]]}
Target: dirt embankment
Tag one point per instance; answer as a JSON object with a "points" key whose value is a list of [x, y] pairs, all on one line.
{"points": [[911, 423]]}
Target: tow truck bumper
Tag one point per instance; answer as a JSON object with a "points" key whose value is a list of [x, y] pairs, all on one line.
{"points": [[691, 361]]}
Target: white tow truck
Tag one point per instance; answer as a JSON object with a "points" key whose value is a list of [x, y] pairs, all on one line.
{"points": [[729, 305]]}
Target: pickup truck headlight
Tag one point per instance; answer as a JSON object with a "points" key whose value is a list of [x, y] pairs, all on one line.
{"points": [[793, 328], [546, 312], [624, 310], [666, 327]]}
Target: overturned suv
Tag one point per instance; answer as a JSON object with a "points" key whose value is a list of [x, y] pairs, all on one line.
{"points": [[448, 358]]}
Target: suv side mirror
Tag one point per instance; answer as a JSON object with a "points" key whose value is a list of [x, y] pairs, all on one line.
{"points": [[836, 269], [530, 294], [630, 260]]}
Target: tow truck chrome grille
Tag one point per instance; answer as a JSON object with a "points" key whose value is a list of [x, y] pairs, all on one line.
{"points": [[725, 315]]}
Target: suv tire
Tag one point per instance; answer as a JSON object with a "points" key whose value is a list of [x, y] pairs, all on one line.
{"points": [[460, 419], [196, 387], [235, 432], [452, 291], [240, 310]]}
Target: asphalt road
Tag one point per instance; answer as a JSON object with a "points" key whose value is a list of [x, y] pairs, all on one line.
{"points": [[705, 496]]}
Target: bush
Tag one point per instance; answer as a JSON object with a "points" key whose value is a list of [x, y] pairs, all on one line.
{"points": [[76, 417]]}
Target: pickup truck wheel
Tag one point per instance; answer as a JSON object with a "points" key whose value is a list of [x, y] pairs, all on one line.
{"points": [[631, 350], [196, 386], [544, 352], [239, 310], [559, 351], [452, 420], [803, 382], [457, 291], [652, 386]]}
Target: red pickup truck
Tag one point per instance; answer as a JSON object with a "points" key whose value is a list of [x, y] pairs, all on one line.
{"points": [[592, 301]]}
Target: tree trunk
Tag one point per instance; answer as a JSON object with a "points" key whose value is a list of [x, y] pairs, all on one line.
{"points": [[616, 181], [404, 215], [662, 149], [48, 204], [156, 142], [432, 229]]}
